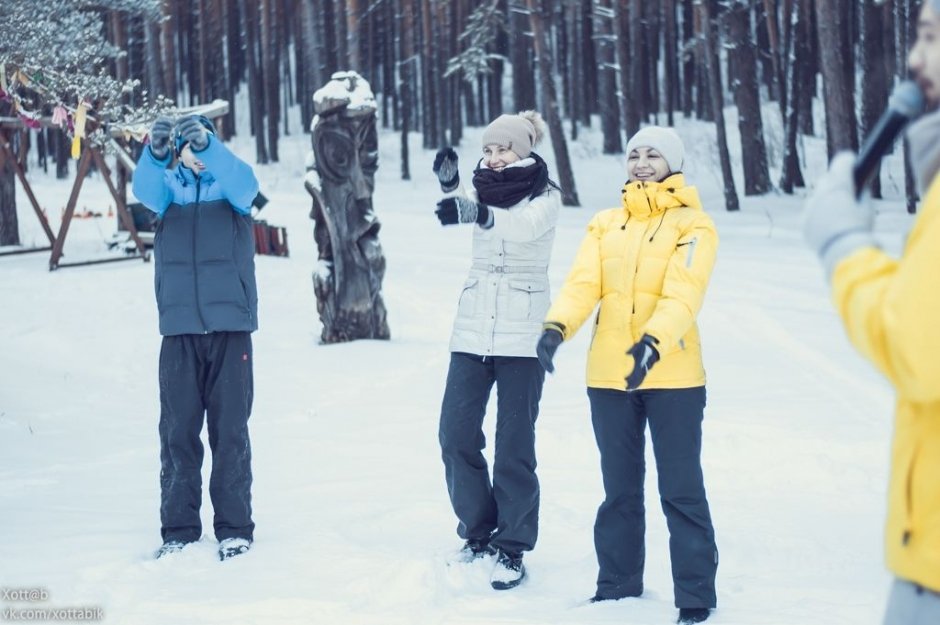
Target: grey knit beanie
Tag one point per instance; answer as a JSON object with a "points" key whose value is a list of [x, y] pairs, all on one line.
{"points": [[664, 140], [519, 133]]}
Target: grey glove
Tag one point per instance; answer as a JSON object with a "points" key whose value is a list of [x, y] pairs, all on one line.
{"points": [[160, 137], [835, 224], [445, 166], [191, 131], [453, 210]]}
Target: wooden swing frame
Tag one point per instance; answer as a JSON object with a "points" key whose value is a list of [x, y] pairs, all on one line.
{"points": [[90, 153]]}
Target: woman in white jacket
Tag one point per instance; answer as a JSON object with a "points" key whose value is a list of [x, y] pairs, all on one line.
{"points": [[514, 207]]}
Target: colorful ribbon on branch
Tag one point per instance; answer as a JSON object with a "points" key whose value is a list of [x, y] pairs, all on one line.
{"points": [[81, 112]]}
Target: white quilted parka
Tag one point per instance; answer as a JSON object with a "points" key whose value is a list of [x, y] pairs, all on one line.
{"points": [[506, 294]]}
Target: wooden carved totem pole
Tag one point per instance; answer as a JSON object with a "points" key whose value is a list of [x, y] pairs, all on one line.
{"points": [[341, 178]]}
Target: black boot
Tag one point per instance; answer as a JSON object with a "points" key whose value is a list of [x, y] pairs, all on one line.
{"points": [[689, 616], [509, 571], [170, 546], [476, 548], [231, 547]]}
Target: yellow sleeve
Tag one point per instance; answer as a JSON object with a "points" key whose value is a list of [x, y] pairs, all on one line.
{"points": [[582, 288], [687, 275], [891, 312]]}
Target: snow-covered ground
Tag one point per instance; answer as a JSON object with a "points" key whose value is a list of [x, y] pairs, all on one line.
{"points": [[353, 521]]}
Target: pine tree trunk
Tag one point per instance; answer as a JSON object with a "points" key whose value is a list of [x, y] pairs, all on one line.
{"points": [[308, 51], [342, 37], [575, 64], [520, 55], [713, 70], [791, 176], [651, 27], [874, 69], [689, 75], [808, 52], [271, 75], [629, 114], [589, 73], [152, 65], [430, 102], [841, 127], [747, 98], [353, 11], [9, 223], [638, 98], [167, 28], [671, 63], [604, 18], [405, 33], [906, 17], [255, 88], [775, 52], [569, 193], [61, 156]]}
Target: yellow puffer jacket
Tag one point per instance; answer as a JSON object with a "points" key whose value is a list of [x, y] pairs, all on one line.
{"points": [[648, 264], [891, 311]]}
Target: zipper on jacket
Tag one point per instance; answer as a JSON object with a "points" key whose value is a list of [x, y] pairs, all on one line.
{"points": [[691, 244], [205, 330]]}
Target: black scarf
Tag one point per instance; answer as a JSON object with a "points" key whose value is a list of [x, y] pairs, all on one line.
{"points": [[511, 185]]}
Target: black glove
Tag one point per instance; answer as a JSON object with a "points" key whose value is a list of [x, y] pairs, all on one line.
{"points": [[644, 357], [160, 137], [191, 131], [445, 166], [548, 344], [452, 210]]}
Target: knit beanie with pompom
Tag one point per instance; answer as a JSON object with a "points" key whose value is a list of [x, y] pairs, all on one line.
{"points": [[519, 133]]}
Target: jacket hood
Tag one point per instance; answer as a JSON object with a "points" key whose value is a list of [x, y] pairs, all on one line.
{"points": [[645, 199]]}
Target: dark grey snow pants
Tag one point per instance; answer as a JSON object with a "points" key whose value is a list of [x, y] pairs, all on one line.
{"points": [[675, 420], [506, 511], [205, 377]]}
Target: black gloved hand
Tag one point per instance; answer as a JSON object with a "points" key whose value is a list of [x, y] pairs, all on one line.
{"points": [[452, 210], [644, 357], [445, 167], [548, 344], [160, 137], [192, 131]]}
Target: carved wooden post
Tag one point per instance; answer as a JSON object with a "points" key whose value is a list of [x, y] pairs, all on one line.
{"points": [[348, 279]]}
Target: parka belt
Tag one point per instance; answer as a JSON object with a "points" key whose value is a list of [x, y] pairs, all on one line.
{"points": [[510, 269]]}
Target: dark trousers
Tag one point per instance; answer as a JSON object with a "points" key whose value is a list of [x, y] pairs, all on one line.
{"points": [[211, 375], [507, 509], [675, 420]]}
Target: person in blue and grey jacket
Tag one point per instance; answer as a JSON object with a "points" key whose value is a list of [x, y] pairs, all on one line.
{"points": [[208, 307]]}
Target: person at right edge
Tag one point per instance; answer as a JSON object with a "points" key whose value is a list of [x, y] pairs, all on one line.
{"points": [[891, 312], [648, 263]]}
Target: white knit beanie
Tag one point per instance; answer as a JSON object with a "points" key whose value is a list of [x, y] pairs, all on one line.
{"points": [[519, 133], [664, 140]]}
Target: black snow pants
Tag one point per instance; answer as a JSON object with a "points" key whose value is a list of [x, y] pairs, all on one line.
{"points": [[205, 375], [506, 511], [675, 420]]}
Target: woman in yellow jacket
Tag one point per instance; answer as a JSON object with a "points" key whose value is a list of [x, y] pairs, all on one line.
{"points": [[891, 311], [647, 263]]}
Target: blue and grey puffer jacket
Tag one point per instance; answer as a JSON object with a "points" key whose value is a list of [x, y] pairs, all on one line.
{"points": [[204, 246]]}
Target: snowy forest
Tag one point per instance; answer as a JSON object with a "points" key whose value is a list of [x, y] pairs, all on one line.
{"points": [[438, 66], [354, 521]]}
